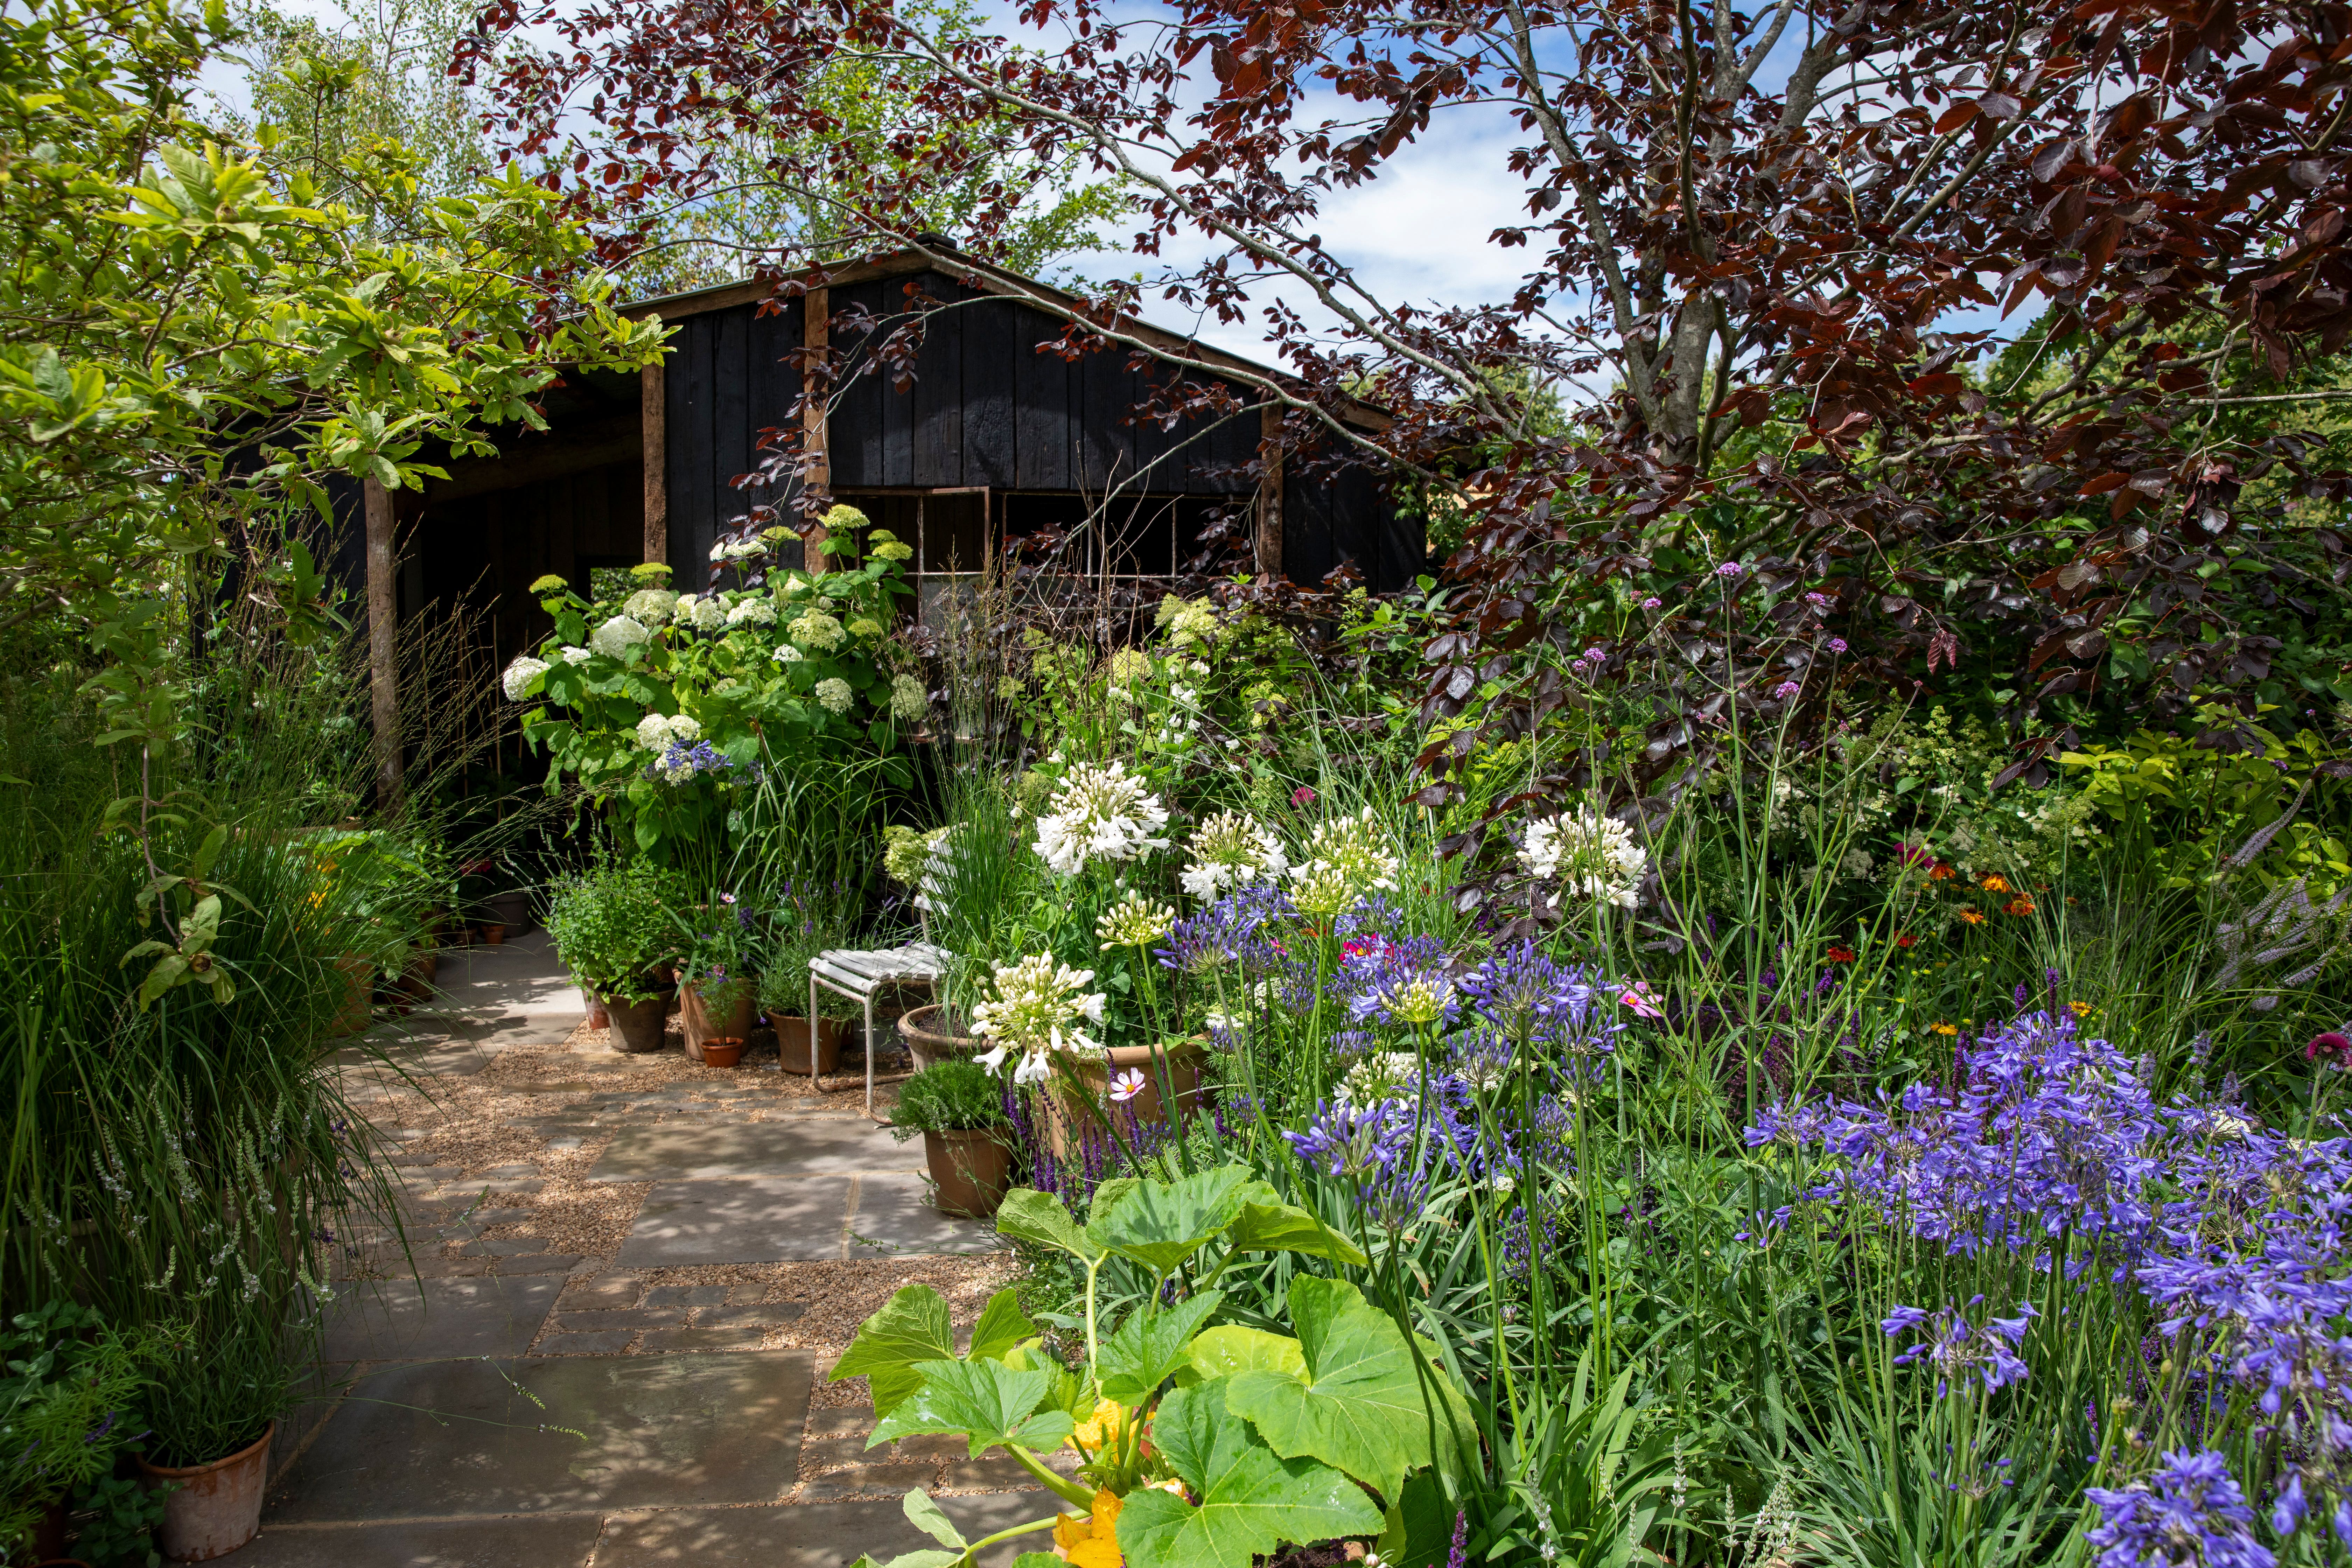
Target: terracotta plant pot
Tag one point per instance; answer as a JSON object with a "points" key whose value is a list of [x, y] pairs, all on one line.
{"points": [[927, 1038], [639, 1027], [359, 992], [702, 1025], [1079, 1101], [721, 1051], [512, 910], [494, 933], [597, 1018], [216, 1508], [972, 1171], [792, 1043]]}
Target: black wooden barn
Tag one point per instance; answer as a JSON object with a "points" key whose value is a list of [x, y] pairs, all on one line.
{"points": [[989, 434]]}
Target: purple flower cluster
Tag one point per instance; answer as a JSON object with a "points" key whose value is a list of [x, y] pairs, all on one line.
{"points": [[1389, 1150], [1563, 1011], [2189, 1512], [1956, 1347], [1239, 928]]}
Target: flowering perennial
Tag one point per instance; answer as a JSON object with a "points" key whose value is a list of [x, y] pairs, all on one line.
{"points": [[1589, 854], [1035, 1011], [1099, 813], [519, 675], [1348, 860], [1228, 850]]}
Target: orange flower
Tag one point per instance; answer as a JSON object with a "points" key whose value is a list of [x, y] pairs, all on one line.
{"points": [[1944, 1029], [1940, 872], [1906, 940], [1995, 882], [2020, 905], [1971, 916], [1091, 1540], [1840, 955], [2079, 1009]]}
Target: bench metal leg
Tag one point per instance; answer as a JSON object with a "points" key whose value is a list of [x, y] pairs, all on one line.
{"points": [[815, 1080]]}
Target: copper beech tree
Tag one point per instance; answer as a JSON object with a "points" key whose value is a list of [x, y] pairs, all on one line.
{"points": [[1779, 245]]}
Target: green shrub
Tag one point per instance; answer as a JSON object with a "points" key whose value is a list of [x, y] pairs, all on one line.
{"points": [[614, 923], [955, 1096]]}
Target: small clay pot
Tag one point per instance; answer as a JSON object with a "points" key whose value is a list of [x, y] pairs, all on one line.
{"points": [[494, 933], [215, 1508], [970, 1170], [792, 1043], [639, 1027], [721, 1051], [928, 1039], [701, 1025], [597, 1018]]}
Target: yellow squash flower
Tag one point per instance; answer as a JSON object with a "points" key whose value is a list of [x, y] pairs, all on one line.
{"points": [[1091, 1541], [1100, 1431]]}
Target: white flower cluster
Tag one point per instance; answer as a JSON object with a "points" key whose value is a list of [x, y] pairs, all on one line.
{"points": [[1348, 860], [818, 630], [752, 613], [835, 694], [1588, 854], [1377, 1076], [785, 653], [617, 636], [703, 611], [738, 549], [657, 731], [650, 605], [1134, 921], [572, 654], [1099, 813], [1189, 622], [908, 701], [519, 675], [1035, 1011], [1232, 850]]}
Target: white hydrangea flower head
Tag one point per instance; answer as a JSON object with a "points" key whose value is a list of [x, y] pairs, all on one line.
{"points": [[752, 613], [653, 731], [707, 614], [1134, 921], [518, 676], [1129, 665], [787, 654], [571, 653], [1099, 813], [1346, 860], [685, 727], [794, 584], [1231, 849], [908, 701], [617, 636], [835, 694], [818, 630], [1189, 623], [1588, 854], [1037, 1008], [651, 605]]}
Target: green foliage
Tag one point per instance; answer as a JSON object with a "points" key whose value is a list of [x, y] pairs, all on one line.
{"points": [[951, 1096], [1250, 1500], [118, 1530], [614, 923], [70, 1391]]}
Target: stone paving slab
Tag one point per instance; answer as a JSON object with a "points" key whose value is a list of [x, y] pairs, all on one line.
{"points": [[842, 1147], [894, 1218], [447, 1438], [397, 1319], [533, 1540], [759, 1219], [812, 1535]]}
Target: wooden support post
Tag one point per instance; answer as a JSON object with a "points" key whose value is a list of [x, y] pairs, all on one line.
{"points": [[816, 424], [653, 423], [384, 668], [1270, 491]]}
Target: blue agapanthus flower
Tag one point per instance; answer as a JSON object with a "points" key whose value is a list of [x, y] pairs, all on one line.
{"points": [[2189, 1511]]}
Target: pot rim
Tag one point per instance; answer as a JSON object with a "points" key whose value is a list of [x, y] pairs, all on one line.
{"points": [[267, 1433]]}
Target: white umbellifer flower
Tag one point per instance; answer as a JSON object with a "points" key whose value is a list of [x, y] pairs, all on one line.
{"points": [[1099, 813], [1346, 860], [818, 630], [835, 694], [753, 613], [617, 636], [651, 605], [707, 614], [1035, 1011], [519, 675], [907, 698], [1134, 921], [786, 654], [1588, 854], [573, 654], [1231, 849]]}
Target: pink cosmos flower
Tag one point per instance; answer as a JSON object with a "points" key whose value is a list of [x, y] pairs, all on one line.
{"points": [[1127, 1086], [1644, 1002]]}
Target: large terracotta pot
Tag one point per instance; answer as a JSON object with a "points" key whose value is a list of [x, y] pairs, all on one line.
{"points": [[639, 1027], [701, 1022], [359, 995], [972, 1171], [792, 1043], [1079, 1101], [928, 1039], [216, 1508]]}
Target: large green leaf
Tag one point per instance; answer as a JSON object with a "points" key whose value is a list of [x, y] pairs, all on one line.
{"points": [[931, 1518], [1002, 1326], [1357, 1403], [1284, 1227], [911, 1328], [1162, 1224], [986, 1403], [1251, 1501], [1230, 1349], [1028, 1215], [1151, 1344]]}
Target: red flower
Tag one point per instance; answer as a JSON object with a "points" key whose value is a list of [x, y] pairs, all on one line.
{"points": [[1302, 796], [2020, 905], [1914, 854], [1840, 955], [2330, 1049], [1906, 940]]}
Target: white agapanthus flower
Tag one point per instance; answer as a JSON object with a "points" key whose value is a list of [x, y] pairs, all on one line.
{"points": [[752, 613], [1231, 849], [571, 653], [1588, 854], [787, 654], [1099, 813], [1346, 860], [1038, 1005], [1378, 1076], [908, 700], [519, 675], [651, 605], [1134, 921], [818, 630], [617, 636], [835, 694]]}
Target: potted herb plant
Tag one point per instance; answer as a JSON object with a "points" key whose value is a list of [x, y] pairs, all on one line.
{"points": [[211, 1415], [68, 1388], [717, 994], [959, 1107], [612, 927], [807, 916]]}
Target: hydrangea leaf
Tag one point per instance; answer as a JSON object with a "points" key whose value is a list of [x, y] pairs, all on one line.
{"points": [[1001, 1327], [986, 1403], [1028, 1215], [1284, 1227], [1357, 1404], [1251, 1501], [1151, 1345], [1230, 1349], [911, 1328], [1162, 1224]]}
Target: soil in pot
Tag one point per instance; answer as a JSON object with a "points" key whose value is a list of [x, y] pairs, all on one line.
{"points": [[1080, 1109], [721, 1051], [926, 1030], [702, 1025], [215, 1508], [792, 1043], [639, 1027], [972, 1171]]}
